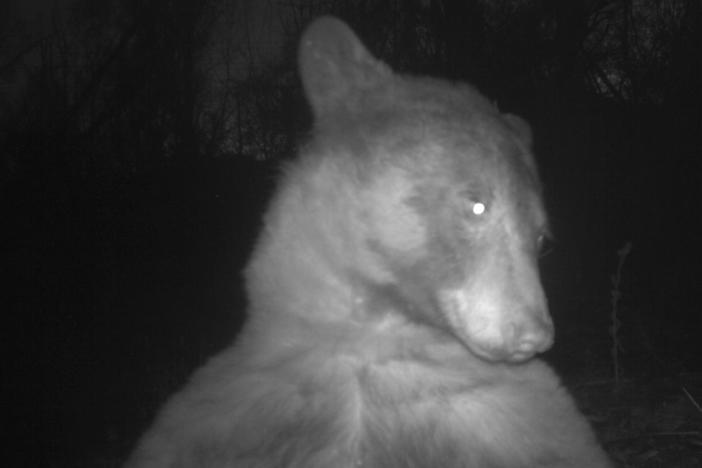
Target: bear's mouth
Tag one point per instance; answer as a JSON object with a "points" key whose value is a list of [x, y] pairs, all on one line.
{"points": [[495, 331]]}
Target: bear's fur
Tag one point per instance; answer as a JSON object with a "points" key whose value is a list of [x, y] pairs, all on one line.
{"points": [[395, 301]]}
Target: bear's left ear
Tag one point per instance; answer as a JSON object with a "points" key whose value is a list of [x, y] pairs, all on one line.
{"points": [[520, 127], [522, 130], [335, 65]]}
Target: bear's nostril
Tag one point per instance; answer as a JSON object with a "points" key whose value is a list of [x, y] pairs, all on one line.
{"points": [[530, 339]]}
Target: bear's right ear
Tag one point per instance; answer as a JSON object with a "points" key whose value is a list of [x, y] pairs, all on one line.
{"points": [[521, 128], [335, 65]]}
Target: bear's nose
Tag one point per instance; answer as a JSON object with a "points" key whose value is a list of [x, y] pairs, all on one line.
{"points": [[529, 338]]}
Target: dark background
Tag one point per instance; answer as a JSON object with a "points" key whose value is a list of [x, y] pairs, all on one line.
{"points": [[139, 142]]}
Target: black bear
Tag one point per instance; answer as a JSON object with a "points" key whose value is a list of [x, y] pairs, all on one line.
{"points": [[395, 300]]}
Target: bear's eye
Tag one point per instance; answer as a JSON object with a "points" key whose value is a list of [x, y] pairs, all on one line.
{"points": [[472, 207], [472, 204], [477, 208]]}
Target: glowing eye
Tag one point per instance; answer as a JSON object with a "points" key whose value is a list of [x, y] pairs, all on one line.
{"points": [[472, 204], [477, 208]]}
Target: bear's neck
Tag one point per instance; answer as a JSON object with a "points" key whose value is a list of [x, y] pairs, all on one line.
{"points": [[312, 277], [304, 263]]}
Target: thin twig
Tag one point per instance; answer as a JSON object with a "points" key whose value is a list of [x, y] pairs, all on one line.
{"points": [[692, 400]]}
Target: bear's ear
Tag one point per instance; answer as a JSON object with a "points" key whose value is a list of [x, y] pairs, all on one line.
{"points": [[520, 127], [334, 65], [522, 130]]}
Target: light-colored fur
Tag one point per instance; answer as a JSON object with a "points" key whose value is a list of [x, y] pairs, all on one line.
{"points": [[369, 286]]}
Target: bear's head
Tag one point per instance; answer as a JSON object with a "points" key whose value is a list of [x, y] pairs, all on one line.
{"points": [[440, 192]]}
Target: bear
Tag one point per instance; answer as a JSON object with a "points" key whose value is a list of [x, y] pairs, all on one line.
{"points": [[395, 304]]}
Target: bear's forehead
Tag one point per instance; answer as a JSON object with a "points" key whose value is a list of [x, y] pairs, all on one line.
{"points": [[451, 134], [458, 151]]}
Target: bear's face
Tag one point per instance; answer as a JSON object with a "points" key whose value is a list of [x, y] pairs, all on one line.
{"points": [[449, 215], [456, 218]]}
